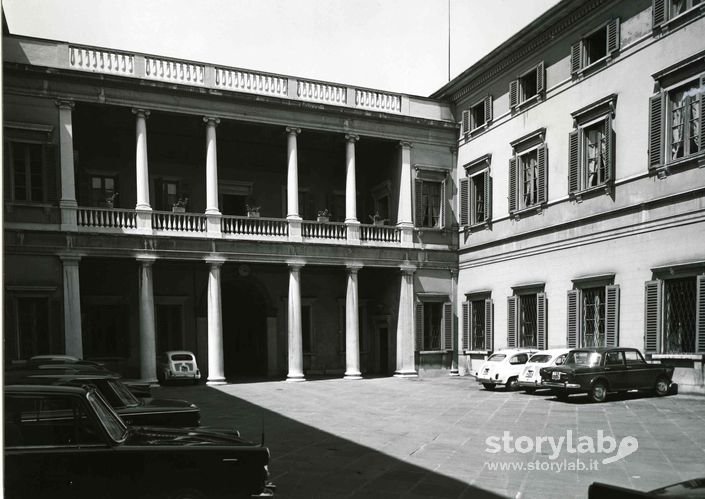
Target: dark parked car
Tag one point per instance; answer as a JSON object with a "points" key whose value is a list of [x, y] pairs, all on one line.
{"points": [[134, 411], [690, 489], [67, 442], [597, 371]]}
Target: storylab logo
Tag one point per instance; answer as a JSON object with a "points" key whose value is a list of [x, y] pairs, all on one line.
{"points": [[568, 445]]}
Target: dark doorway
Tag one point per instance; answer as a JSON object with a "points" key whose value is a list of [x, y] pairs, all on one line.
{"points": [[244, 329], [384, 349]]}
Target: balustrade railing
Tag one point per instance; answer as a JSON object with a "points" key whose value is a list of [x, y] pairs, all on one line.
{"points": [[106, 218], [380, 233], [255, 226], [246, 81], [378, 101], [322, 92], [179, 222], [323, 230], [175, 71], [101, 61]]}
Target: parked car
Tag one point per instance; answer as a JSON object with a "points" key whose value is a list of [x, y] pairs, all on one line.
{"points": [[598, 371], [67, 442], [134, 411], [690, 489], [530, 377], [503, 368], [177, 365]]}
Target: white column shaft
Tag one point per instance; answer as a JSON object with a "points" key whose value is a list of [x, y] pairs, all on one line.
{"points": [[148, 348], [350, 182], [292, 175], [352, 328], [73, 339], [68, 184], [405, 327], [216, 372], [142, 169], [296, 356], [211, 168], [404, 214]]}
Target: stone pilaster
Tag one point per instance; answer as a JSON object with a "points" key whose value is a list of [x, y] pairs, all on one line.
{"points": [[148, 344], [216, 371], [296, 355], [352, 325]]}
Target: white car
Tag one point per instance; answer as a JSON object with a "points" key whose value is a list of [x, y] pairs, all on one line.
{"points": [[530, 378], [176, 365], [503, 368]]}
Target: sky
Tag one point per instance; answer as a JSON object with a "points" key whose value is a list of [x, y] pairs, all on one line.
{"points": [[394, 45]]}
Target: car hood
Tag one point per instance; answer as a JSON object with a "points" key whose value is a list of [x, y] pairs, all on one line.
{"points": [[155, 435], [156, 406], [160, 403]]}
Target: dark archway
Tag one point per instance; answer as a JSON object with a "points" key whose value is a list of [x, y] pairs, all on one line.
{"points": [[244, 328]]}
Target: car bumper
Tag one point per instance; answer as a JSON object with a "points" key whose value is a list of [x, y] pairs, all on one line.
{"points": [[529, 383], [556, 385], [182, 375], [268, 491], [490, 381]]}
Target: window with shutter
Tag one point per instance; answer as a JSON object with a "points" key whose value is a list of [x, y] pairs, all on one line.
{"points": [[541, 333], [528, 182], [464, 202], [652, 316], [466, 123], [573, 312], [479, 192], [448, 326], [27, 172], [512, 185], [595, 48], [429, 198], [489, 325], [467, 307], [528, 87], [665, 12], [612, 316], [512, 311]]}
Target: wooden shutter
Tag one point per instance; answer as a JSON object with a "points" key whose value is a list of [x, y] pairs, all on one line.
{"points": [[573, 162], [419, 326], [612, 316], [655, 131], [467, 313], [448, 326], [488, 109], [574, 321], [464, 201], [613, 36], [700, 315], [576, 57], [609, 146], [512, 184], [489, 325], [512, 313], [542, 154], [513, 94], [540, 78], [418, 200], [465, 123], [652, 316], [702, 112], [488, 197], [658, 12], [541, 336]]}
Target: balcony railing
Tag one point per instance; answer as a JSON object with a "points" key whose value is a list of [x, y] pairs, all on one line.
{"points": [[255, 226], [323, 230], [178, 222], [380, 233], [106, 218]]}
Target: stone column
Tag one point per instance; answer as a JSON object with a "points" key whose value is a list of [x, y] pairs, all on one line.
{"points": [[211, 166], [404, 214], [352, 326], [67, 203], [73, 339], [216, 371], [148, 344], [405, 324], [350, 184], [296, 354], [141, 162], [292, 176]]}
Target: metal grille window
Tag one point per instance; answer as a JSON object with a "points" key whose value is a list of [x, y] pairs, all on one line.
{"points": [[527, 321], [679, 315], [477, 340], [593, 303], [593, 313], [434, 325], [477, 322]]}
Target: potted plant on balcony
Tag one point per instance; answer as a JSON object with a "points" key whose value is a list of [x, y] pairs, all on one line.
{"points": [[180, 205], [111, 200], [252, 211], [377, 219], [323, 215]]}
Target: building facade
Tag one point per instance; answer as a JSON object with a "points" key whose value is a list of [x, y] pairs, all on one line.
{"points": [[553, 194]]}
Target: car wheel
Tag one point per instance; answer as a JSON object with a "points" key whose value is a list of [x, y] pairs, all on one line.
{"points": [[598, 392], [187, 494], [529, 390], [512, 384], [488, 386], [661, 387]]}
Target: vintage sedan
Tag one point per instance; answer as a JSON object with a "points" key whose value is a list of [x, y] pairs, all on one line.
{"points": [[177, 365], [67, 442], [530, 377], [503, 368], [599, 371]]}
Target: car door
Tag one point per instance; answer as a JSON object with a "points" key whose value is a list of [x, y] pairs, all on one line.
{"points": [[639, 374], [615, 370]]}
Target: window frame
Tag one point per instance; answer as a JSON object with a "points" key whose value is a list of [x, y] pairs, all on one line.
{"points": [[517, 90], [662, 18], [429, 175], [575, 324], [470, 124], [468, 194], [11, 145], [471, 301], [579, 63], [446, 325], [534, 141], [114, 200], [513, 316]]}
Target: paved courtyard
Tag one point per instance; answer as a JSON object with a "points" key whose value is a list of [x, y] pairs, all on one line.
{"points": [[428, 437]]}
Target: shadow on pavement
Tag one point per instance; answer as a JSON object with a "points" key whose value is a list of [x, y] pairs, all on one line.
{"points": [[308, 463]]}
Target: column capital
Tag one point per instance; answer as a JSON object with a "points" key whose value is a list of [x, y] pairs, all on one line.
{"points": [[351, 137], [70, 258], [354, 267], [146, 260], [214, 260], [296, 264], [404, 144], [65, 104], [407, 268], [140, 112], [453, 273], [293, 130], [211, 120]]}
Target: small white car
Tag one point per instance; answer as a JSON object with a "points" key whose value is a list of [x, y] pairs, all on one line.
{"points": [[530, 378], [503, 368], [177, 365]]}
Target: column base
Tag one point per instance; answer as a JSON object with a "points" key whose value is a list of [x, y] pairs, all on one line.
{"points": [[216, 381], [406, 374], [353, 375], [294, 378], [151, 381]]}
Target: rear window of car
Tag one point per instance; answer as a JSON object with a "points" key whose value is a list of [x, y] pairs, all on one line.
{"points": [[498, 357], [181, 356], [540, 358], [584, 358]]}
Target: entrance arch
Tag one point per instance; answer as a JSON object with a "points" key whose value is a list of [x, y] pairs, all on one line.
{"points": [[244, 313]]}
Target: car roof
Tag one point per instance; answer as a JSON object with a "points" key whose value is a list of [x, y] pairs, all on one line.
{"points": [[602, 349], [56, 373], [509, 351], [553, 351], [70, 389]]}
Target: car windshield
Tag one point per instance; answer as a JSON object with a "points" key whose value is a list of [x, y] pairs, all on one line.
{"points": [[126, 397], [580, 358], [110, 421], [181, 356], [540, 358], [498, 357]]}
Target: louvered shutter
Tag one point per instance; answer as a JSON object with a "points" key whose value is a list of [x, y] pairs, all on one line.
{"points": [[512, 302], [513, 93], [540, 78], [574, 322], [658, 12], [573, 162], [489, 325], [541, 336], [655, 131], [613, 36], [488, 109], [700, 315], [464, 201], [512, 185], [442, 207], [702, 112], [488, 197], [467, 311], [576, 57], [609, 147], [542, 154], [418, 200], [419, 326], [466, 123], [448, 326], [612, 316], [652, 316]]}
